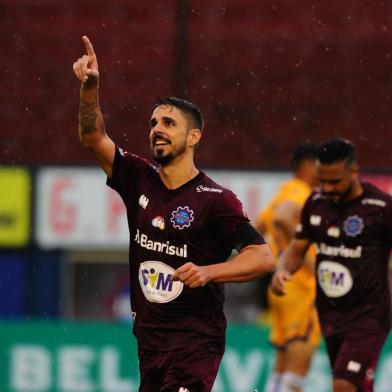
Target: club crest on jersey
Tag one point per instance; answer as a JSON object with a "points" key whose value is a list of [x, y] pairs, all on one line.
{"points": [[353, 225], [182, 217], [159, 222]]}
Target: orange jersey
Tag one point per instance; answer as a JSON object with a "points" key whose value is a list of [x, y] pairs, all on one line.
{"points": [[296, 191], [292, 316]]}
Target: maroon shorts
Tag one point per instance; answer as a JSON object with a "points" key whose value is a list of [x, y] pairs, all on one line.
{"points": [[169, 371], [354, 355]]}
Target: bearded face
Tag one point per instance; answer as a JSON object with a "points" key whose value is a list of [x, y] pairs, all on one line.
{"points": [[168, 134], [336, 180], [164, 151]]}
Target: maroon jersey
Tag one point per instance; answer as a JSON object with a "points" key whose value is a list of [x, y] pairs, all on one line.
{"points": [[168, 228], [353, 245]]}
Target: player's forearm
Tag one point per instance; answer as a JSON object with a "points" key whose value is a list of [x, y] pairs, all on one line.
{"points": [[286, 229], [291, 260], [91, 125], [252, 262], [309, 263]]}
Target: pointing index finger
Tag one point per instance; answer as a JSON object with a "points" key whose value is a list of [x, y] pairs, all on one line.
{"points": [[88, 45]]}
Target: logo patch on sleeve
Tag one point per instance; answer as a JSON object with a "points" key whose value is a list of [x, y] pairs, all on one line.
{"points": [[182, 217]]}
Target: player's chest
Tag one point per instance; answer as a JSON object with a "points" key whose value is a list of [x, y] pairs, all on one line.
{"points": [[170, 213], [353, 223]]}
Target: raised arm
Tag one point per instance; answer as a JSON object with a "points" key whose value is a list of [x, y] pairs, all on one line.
{"points": [[91, 126]]}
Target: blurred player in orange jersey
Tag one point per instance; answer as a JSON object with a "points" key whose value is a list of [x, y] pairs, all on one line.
{"points": [[295, 331]]}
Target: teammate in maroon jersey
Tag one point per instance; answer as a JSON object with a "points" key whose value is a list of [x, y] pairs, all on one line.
{"points": [[183, 228], [351, 223]]}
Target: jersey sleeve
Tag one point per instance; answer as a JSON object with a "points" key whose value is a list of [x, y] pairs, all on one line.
{"points": [[296, 194], [389, 221], [125, 173], [302, 230], [232, 222]]}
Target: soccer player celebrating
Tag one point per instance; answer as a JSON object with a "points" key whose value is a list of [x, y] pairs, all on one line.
{"points": [[351, 224], [183, 228]]}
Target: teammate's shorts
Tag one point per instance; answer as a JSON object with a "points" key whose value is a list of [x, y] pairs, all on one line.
{"points": [[354, 355], [293, 316], [180, 370]]}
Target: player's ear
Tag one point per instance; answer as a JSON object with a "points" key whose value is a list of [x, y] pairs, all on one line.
{"points": [[194, 136], [354, 169]]}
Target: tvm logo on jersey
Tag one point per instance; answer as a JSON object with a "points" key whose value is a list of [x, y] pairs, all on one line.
{"points": [[156, 282], [334, 279]]}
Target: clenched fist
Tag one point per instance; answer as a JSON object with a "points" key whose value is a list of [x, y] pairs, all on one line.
{"points": [[279, 279], [192, 275]]}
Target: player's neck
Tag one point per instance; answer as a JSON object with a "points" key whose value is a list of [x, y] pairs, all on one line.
{"points": [[178, 173], [356, 191]]}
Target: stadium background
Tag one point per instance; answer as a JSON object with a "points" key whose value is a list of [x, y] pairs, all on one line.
{"points": [[266, 74]]}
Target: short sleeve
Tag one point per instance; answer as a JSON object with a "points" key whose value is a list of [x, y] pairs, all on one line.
{"points": [[126, 169], [302, 230], [389, 221], [232, 222]]}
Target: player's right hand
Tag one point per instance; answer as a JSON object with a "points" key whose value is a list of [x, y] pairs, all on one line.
{"points": [[86, 67], [279, 280]]}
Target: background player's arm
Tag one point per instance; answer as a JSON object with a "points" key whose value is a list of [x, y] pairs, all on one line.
{"points": [[260, 225], [285, 219], [251, 262], [91, 125], [289, 263]]}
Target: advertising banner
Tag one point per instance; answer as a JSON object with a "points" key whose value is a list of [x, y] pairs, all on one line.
{"points": [[75, 209], [65, 357], [383, 182], [15, 194]]}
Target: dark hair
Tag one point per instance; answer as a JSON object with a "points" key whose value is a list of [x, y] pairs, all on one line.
{"points": [[188, 108], [336, 150], [303, 152]]}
